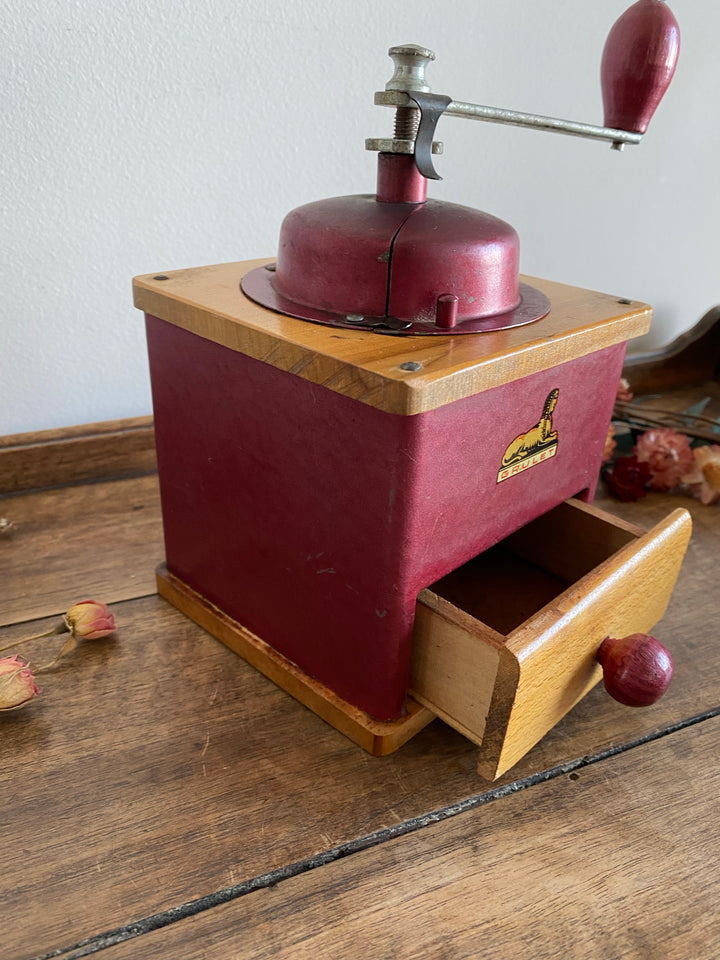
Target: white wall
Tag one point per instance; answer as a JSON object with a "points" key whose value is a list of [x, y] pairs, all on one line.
{"points": [[147, 136]]}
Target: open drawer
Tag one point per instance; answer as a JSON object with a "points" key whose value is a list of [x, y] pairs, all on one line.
{"points": [[505, 645]]}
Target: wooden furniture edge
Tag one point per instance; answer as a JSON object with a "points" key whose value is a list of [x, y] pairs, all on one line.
{"points": [[677, 524], [126, 447], [95, 451], [689, 360], [311, 350], [620, 523], [376, 737]]}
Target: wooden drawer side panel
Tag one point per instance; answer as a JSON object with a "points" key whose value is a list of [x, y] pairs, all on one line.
{"points": [[573, 539], [455, 665]]}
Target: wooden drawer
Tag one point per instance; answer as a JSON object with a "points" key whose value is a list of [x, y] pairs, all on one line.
{"points": [[505, 645]]}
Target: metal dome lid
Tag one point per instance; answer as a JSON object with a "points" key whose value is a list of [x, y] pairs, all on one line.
{"points": [[399, 263]]}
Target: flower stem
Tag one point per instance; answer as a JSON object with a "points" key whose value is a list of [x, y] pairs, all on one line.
{"points": [[60, 628], [70, 644]]}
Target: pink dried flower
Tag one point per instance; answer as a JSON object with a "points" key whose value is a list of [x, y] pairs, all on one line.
{"points": [[89, 620], [668, 455], [703, 479], [628, 478], [86, 620], [624, 393], [17, 683], [610, 444]]}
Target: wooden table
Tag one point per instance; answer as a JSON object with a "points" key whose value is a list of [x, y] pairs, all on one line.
{"points": [[162, 799]]}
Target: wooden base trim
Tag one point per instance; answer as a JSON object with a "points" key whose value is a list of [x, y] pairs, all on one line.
{"points": [[93, 451], [377, 737]]}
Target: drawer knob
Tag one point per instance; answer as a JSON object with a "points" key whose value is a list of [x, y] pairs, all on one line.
{"points": [[637, 669]]}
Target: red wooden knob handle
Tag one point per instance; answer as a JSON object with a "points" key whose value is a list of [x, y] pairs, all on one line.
{"points": [[637, 669], [638, 64]]}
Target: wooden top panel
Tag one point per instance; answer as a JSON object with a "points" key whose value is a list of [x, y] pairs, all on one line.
{"points": [[365, 365]]}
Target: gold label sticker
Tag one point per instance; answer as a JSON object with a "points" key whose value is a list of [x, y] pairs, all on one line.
{"points": [[536, 445]]}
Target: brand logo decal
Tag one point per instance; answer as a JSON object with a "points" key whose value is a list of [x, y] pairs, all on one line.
{"points": [[536, 445]]}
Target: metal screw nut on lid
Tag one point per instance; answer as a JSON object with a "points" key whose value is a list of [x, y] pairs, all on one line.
{"points": [[410, 62]]}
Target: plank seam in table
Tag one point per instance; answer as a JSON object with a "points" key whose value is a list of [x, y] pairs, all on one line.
{"points": [[272, 878], [331, 854]]}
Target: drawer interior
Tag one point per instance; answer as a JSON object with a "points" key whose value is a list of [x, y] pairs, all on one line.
{"points": [[500, 588], [510, 582]]}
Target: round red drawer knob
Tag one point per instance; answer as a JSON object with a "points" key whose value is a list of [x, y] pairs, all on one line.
{"points": [[637, 669]]}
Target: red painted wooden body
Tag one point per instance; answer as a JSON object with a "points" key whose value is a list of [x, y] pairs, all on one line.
{"points": [[314, 519]]}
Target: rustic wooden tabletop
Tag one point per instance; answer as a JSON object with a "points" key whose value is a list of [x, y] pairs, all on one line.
{"points": [[162, 799]]}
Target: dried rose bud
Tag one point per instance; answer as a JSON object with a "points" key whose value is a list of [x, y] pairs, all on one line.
{"points": [[17, 683], [89, 620], [628, 478]]}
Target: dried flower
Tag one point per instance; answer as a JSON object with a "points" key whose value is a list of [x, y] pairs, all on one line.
{"points": [[668, 455], [627, 478], [89, 620], [624, 393], [703, 479], [86, 620], [17, 683], [610, 444]]}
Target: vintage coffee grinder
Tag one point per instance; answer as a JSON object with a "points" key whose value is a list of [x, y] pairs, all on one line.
{"points": [[366, 445]]}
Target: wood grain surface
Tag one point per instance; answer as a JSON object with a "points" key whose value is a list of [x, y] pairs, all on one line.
{"points": [[619, 860], [157, 768], [506, 696], [93, 451], [693, 357], [627, 593], [378, 737], [92, 540], [365, 365]]}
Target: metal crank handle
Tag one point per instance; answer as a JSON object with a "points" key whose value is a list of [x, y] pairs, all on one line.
{"points": [[515, 118], [638, 63]]}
